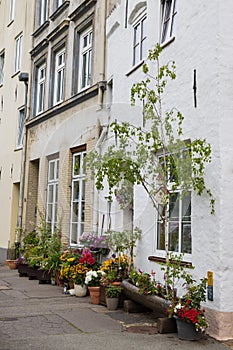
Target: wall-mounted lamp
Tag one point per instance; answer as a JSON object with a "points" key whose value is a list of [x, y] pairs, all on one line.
{"points": [[23, 77]]}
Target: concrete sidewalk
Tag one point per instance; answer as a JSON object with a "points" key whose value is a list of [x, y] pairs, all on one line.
{"points": [[39, 316]]}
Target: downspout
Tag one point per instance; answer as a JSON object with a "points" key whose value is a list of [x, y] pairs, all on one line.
{"points": [[22, 77], [95, 193], [102, 88], [102, 81]]}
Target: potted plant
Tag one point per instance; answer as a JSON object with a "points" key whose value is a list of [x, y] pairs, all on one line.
{"points": [[92, 280], [190, 317], [78, 276], [112, 297]]}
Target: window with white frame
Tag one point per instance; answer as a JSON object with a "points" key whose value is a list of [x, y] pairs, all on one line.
{"points": [[139, 40], [42, 12], [40, 88], [21, 116], [52, 194], [2, 63], [77, 197], [59, 77], [179, 224], [12, 10], [85, 61], [178, 208], [18, 52], [168, 12]]}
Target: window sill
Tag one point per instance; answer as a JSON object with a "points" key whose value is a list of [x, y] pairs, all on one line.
{"points": [[10, 23], [15, 74], [167, 42], [40, 29], [59, 10], [163, 260], [134, 68], [18, 148]]}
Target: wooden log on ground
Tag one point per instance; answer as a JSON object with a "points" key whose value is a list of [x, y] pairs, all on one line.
{"points": [[131, 307]]}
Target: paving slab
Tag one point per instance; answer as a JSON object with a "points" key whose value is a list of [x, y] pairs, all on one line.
{"points": [[41, 317]]}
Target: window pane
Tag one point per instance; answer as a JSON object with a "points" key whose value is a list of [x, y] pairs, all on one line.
{"points": [[51, 170], [186, 242], [85, 59], [20, 128], [2, 62], [49, 212], [75, 212], [173, 241], [77, 161], [174, 206], [76, 191], [173, 18], [73, 238], [50, 194], [186, 207]]}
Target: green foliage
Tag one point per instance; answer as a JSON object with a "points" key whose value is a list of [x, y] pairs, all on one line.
{"points": [[124, 242], [113, 291], [42, 248], [146, 286], [174, 270], [136, 156], [155, 156]]}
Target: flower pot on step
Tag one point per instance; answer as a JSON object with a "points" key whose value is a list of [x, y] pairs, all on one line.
{"points": [[80, 290], [187, 331], [95, 295], [112, 303]]}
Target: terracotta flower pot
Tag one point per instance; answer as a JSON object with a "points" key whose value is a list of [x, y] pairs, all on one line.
{"points": [[95, 294], [11, 264]]}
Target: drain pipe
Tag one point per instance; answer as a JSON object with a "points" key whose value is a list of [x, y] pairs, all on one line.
{"points": [[24, 78], [95, 194]]}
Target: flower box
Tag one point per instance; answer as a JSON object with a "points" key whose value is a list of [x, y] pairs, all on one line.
{"points": [[23, 269], [43, 276]]}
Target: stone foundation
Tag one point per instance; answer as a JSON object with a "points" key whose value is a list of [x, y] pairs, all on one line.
{"points": [[220, 324]]}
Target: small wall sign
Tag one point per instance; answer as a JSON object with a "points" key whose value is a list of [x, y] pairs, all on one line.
{"points": [[210, 284]]}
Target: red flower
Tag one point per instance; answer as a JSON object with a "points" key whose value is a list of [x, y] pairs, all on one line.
{"points": [[91, 261]]}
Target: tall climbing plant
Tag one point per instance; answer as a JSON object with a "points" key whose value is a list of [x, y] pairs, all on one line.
{"points": [[156, 156]]}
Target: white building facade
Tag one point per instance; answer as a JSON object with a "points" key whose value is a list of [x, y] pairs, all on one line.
{"points": [[202, 52]]}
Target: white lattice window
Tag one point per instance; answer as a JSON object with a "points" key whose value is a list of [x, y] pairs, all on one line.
{"points": [[52, 194], [179, 224], [21, 117], [18, 52], [2, 64], [40, 88], [12, 10], [42, 11], [77, 198], [59, 77], [168, 12], [177, 210], [139, 43], [85, 61]]}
